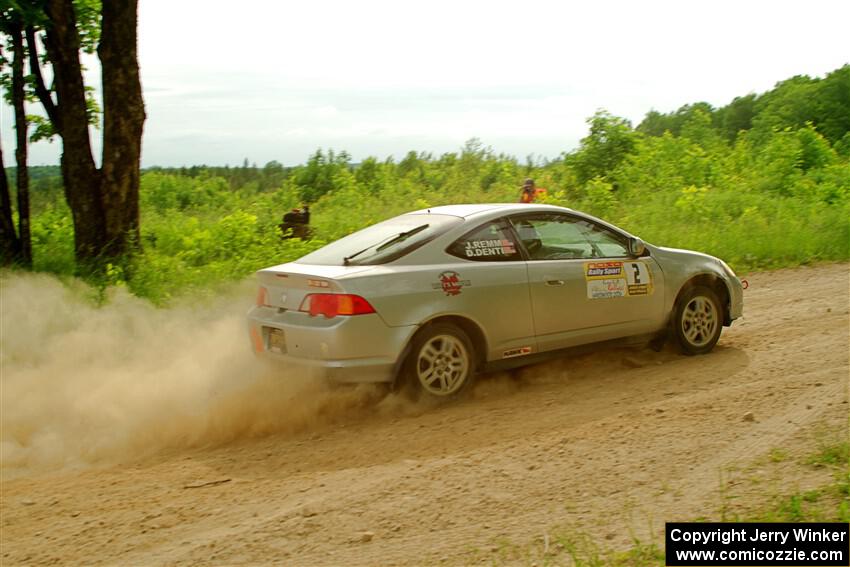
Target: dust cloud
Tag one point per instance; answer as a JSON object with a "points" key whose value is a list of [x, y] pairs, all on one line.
{"points": [[81, 384]]}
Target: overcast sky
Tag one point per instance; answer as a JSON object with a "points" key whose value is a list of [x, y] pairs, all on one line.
{"points": [[274, 80]]}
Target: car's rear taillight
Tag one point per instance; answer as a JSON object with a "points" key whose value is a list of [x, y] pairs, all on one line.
{"points": [[262, 297], [257, 339], [333, 304]]}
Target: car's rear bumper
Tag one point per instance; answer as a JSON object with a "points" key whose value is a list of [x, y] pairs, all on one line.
{"points": [[343, 371], [360, 348]]}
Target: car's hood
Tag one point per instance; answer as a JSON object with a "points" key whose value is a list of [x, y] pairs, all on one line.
{"points": [[673, 252], [685, 261]]}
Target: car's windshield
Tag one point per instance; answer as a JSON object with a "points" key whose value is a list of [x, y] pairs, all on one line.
{"points": [[383, 242]]}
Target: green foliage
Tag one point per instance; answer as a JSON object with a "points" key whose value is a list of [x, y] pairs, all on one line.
{"points": [[600, 199], [610, 141], [758, 199], [316, 178], [736, 116], [832, 455], [88, 23], [43, 128], [793, 103], [22, 14], [53, 239], [656, 123]]}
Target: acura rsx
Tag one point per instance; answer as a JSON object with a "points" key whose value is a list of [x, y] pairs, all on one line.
{"points": [[431, 297]]}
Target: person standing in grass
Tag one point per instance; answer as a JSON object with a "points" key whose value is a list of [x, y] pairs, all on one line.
{"points": [[529, 193], [296, 223]]}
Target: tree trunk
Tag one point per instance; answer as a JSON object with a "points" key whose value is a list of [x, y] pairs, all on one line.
{"points": [[123, 121], [10, 245], [22, 173], [81, 177]]}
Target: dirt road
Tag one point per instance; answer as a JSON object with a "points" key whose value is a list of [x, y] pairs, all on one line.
{"points": [[610, 445]]}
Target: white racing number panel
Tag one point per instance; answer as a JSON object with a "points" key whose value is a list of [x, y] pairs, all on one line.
{"points": [[606, 280]]}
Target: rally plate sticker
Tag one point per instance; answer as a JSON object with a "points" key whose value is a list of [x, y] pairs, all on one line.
{"points": [[607, 280]]}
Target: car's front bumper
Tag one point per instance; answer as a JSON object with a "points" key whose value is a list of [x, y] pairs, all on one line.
{"points": [[359, 348], [736, 299]]}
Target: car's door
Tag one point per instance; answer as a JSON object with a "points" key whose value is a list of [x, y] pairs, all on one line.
{"points": [[585, 287], [493, 279]]}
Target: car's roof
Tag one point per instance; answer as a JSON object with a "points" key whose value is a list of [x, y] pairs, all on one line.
{"points": [[467, 210]]}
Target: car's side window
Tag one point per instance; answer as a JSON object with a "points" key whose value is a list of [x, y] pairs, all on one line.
{"points": [[608, 244], [552, 237], [562, 237], [491, 242]]}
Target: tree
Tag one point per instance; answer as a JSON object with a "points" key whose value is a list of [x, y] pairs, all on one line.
{"points": [[317, 177], [737, 115], [19, 245], [21, 173], [104, 202], [655, 123], [10, 244], [834, 107], [123, 122], [611, 139]]}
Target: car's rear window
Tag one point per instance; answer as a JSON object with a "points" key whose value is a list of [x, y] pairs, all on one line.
{"points": [[382, 242], [491, 242]]}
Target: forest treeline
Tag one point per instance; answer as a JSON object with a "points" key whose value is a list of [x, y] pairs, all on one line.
{"points": [[761, 182]]}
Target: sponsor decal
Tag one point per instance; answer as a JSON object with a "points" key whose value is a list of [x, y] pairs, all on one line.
{"points": [[493, 247], [617, 279], [605, 289], [451, 283], [638, 289], [603, 269], [516, 352]]}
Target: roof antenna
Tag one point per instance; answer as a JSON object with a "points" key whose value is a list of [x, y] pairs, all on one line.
{"points": [[429, 211]]}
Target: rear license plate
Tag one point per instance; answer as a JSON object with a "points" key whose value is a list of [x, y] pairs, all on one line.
{"points": [[277, 341]]}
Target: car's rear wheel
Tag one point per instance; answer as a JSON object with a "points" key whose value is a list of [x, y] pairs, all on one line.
{"points": [[698, 320], [441, 363]]}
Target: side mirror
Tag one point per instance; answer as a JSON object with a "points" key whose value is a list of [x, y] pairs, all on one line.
{"points": [[636, 247]]}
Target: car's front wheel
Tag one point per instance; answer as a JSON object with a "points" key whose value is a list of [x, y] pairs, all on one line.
{"points": [[698, 320], [441, 363]]}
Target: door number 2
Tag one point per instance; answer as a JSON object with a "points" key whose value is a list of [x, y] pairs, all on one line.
{"points": [[638, 274]]}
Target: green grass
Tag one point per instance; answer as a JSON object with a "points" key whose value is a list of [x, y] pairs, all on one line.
{"points": [[778, 455], [832, 455], [829, 502]]}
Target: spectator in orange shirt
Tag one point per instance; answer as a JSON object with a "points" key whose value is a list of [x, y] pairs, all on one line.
{"points": [[529, 193]]}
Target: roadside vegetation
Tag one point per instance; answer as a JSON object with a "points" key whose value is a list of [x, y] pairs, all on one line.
{"points": [[763, 182], [824, 500]]}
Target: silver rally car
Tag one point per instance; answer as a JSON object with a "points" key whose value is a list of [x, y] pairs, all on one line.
{"points": [[430, 297]]}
